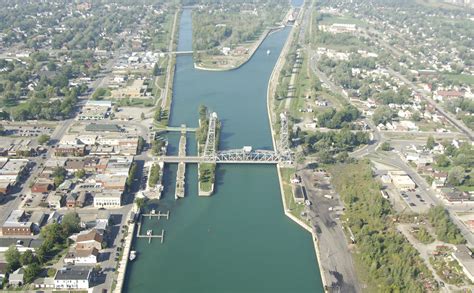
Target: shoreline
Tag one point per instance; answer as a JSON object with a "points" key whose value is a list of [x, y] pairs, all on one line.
{"points": [[264, 35], [280, 180]]}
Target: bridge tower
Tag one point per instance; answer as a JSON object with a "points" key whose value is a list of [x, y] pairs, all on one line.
{"points": [[210, 147], [283, 150]]}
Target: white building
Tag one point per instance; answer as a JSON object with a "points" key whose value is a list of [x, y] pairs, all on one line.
{"points": [[74, 277], [82, 256], [108, 200]]}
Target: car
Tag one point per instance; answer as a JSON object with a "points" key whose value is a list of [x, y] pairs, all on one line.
{"points": [[418, 196], [422, 200], [412, 204]]}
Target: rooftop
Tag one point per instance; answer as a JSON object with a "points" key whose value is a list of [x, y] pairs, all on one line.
{"points": [[73, 273]]}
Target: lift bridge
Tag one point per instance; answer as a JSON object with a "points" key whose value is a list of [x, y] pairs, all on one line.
{"points": [[245, 155]]}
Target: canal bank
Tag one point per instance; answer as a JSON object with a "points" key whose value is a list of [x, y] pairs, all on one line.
{"points": [[237, 240], [271, 117]]}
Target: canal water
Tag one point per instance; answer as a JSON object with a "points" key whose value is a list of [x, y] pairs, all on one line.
{"points": [[237, 240]]}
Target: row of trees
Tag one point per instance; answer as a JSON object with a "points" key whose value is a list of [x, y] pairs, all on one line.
{"points": [[445, 229]]}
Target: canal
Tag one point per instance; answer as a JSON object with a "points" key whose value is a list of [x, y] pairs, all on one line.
{"points": [[239, 239]]}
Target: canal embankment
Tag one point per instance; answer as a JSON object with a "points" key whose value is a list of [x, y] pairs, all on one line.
{"points": [[272, 83]]}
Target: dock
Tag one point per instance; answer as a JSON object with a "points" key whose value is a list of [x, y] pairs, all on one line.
{"points": [[180, 174], [149, 233], [159, 215]]}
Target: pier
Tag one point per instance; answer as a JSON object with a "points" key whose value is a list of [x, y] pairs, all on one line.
{"points": [[180, 174], [149, 233]]}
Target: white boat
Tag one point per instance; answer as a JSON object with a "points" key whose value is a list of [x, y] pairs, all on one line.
{"points": [[268, 52], [149, 232], [133, 255]]}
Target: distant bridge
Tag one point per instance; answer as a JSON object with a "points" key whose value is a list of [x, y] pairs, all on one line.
{"points": [[179, 53]]}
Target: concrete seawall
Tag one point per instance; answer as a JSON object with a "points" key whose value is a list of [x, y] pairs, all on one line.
{"points": [[122, 270], [270, 92]]}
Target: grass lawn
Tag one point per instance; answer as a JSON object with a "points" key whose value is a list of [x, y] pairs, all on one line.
{"points": [[207, 173]]}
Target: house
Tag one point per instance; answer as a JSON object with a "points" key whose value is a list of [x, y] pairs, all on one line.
{"points": [[82, 256], [16, 278], [439, 179], [90, 239], [72, 277], [455, 195]]}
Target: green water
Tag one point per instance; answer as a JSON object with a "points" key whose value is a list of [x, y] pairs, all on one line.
{"points": [[238, 240]]}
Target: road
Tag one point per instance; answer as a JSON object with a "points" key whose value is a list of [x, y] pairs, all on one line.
{"points": [[336, 257], [169, 77]]}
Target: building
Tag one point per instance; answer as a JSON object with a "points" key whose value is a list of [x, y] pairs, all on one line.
{"points": [[108, 199], [439, 179], [16, 278], [401, 180], [22, 244], [17, 224], [73, 277], [298, 193], [69, 150], [88, 240], [54, 200], [94, 127], [82, 256]]}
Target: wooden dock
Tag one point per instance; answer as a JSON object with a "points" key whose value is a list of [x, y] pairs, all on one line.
{"points": [[149, 234], [159, 215]]}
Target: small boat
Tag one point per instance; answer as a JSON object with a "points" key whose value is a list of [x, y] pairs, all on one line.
{"points": [[307, 202], [133, 255], [268, 52], [149, 232]]}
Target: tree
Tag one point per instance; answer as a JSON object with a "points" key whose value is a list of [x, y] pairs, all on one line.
{"points": [[154, 175], [156, 70], [71, 223], [430, 142], [385, 146], [140, 202], [80, 173], [28, 258], [456, 176], [59, 175], [12, 256], [442, 161], [31, 271], [382, 114]]}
